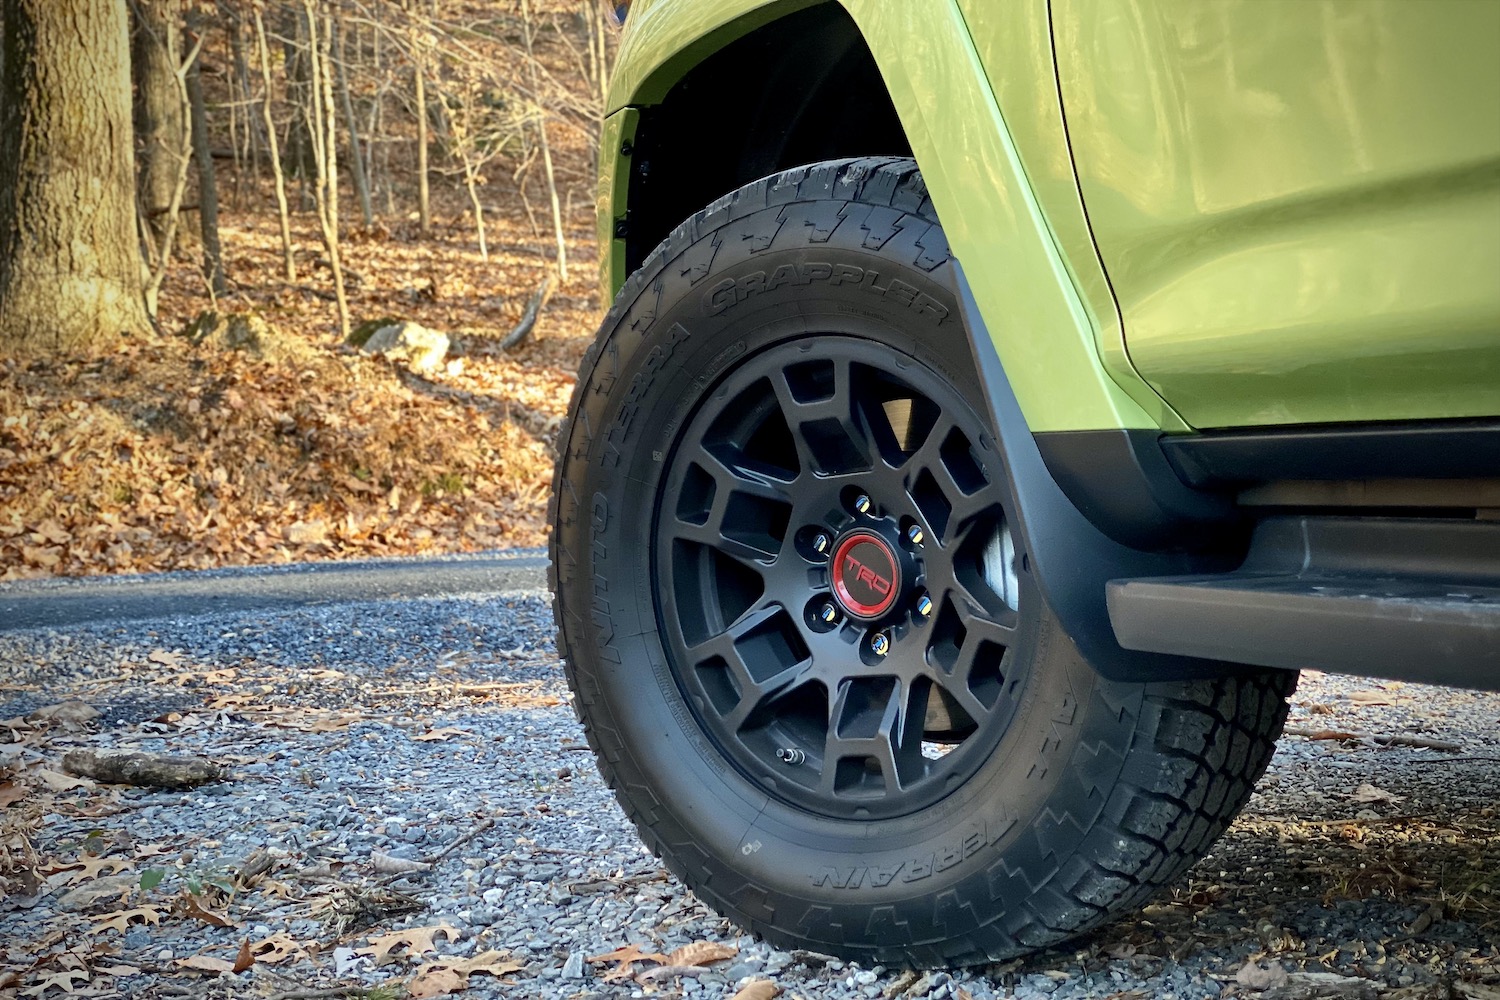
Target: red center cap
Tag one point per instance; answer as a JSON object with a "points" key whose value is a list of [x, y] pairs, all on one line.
{"points": [[865, 575]]}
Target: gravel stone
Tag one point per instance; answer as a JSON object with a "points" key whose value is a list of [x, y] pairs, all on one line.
{"points": [[410, 727]]}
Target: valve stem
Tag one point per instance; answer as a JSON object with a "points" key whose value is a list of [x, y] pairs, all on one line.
{"points": [[790, 755]]}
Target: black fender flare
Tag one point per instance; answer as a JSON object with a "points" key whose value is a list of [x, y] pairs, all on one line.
{"points": [[1072, 558]]}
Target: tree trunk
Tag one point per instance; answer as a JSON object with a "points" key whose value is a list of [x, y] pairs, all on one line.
{"points": [[70, 266], [322, 126], [424, 197], [283, 214], [254, 138], [159, 122], [300, 160], [356, 159], [541, 128], [208, 187]]}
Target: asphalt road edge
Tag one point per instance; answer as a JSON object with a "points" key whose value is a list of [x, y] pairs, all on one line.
{"points": [[59, 603]]}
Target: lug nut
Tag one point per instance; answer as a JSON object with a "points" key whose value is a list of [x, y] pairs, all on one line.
{"points": [[828, 614], [790, 755], [862, 504], [914, 534], [924, 605], [820, 543], [879, 644]]}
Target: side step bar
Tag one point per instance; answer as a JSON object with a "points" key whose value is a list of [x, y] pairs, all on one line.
{"points": [[1399, 598]]}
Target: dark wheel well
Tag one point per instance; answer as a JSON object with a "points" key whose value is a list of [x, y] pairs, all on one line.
{"points": [[801, 89]]}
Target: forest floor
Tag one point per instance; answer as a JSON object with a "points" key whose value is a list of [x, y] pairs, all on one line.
{"points": [[166, 455]]}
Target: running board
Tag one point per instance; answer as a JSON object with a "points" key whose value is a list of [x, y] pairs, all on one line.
{"points": [[1399, 598]]}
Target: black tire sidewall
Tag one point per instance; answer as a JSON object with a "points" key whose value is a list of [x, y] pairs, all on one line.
{"points": [[850, 884]]}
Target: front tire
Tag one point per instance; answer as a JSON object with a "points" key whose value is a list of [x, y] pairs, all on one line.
{"points": [[899, 755]]}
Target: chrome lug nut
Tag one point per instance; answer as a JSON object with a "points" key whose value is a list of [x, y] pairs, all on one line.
{"points": [[880, 644], [924, 605], [820, 543], [790, 755], [914, 534], [862, 504], [828, 614]]}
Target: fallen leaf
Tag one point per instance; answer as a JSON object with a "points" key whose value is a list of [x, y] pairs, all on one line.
{"points": [[387, 864], [1371, 698], [442, 977], [702, 953], [60, 782], [122, 920], [58, 980], [11, 793], [191, 906], [116, 970], [165, 658], [435, 981], [415, 941], [626, 956], [446, 733], [88, 866], [758, 989], [277, 948], [206, 963], [244, 959], [1367, 793], [71, 713], [1255, 975]]}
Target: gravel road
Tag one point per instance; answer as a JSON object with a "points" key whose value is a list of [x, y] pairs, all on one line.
{"points": [[363, 738]]}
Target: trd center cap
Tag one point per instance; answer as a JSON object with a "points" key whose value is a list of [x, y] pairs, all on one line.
{"points": [[866, 575]]}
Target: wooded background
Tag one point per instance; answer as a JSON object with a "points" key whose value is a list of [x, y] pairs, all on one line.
{"points": [[202, 197]]}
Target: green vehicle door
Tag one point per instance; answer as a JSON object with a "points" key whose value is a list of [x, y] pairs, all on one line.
{"points": [[1296, 202]]}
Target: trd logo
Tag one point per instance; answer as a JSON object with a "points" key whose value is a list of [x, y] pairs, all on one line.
{"points": [[864, 574]]}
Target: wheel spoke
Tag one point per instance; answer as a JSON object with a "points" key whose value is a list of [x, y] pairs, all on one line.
{"points": [[832, 431], [977, 679], [756, 694], [886, 731], [950, 501], [747, 516], [724, 643]]}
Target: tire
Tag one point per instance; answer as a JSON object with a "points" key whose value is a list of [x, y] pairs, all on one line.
{"points": [[787, 380]]}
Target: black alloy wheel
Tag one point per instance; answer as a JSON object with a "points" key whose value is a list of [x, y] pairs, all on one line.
{"points": [[836, 579]]}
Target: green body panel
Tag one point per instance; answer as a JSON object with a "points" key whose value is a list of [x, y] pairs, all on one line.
{"points": [[1297, 203], [1044, 329], [1014, 43]]}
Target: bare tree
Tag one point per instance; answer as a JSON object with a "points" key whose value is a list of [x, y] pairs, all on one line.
{"points": [[321, 126], [356, 160], [541, 127], [283, 212], [208, 185], [419, 77], [160, 262]]}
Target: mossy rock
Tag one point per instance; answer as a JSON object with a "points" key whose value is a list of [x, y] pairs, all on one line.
{"points": [[362, 333]]}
